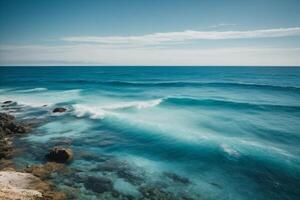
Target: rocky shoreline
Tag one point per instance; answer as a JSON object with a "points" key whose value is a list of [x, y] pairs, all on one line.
{"points": [[51, 178], [24, 184]]}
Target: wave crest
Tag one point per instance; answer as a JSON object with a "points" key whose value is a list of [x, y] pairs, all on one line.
{"points": [[33, 90], [99, 112]]}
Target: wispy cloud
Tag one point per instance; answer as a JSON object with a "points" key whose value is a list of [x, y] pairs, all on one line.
{"points": [[188, 35], [222, 25], [150, 50]]}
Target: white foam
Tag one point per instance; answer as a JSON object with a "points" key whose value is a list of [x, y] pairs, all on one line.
{"points": [[100, 111], [136, 104], [33, 90], [56, 129], [40, 98], [227, 149], [94, 112]]}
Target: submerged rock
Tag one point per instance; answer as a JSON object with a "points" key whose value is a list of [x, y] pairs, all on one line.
{"points": [[154, 193], [45, 171], [59, 110], [122, 170], [98, 184], [60, 154], [177, 178]]}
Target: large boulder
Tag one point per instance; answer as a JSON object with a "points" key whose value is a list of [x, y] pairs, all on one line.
{"points": [[59, 110], [60, 155]]}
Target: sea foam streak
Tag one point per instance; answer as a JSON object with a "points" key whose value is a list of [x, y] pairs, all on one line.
{"points": [[99, 112], [33, 90]]}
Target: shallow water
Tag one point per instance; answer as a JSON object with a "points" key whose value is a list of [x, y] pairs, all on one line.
{"points": [[183, 132]]}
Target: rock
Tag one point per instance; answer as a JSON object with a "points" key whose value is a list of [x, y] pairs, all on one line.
{"points": [[6, 164], [59, 110], [54, 195], [7, 102], [45, 171], [16, 185], [8, 125], [98, 184], [60, 154], [153, 193], [122, 170], [4, 118], [177, 178]]}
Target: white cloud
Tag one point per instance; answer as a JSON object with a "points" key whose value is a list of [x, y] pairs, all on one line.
{"points": [[149, 50], [169, 37], [93, 54]]}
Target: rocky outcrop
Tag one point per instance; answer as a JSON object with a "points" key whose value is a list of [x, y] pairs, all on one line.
{"points": [[60, 155], [16, 185], [23, 185], [8, 128], [8, 125], [59, 110]]}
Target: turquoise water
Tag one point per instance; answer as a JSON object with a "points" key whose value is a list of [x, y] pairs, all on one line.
{"points": [[193, 132]]}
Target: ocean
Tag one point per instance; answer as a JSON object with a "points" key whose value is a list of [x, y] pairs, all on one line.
{"points": [[164, 132]]}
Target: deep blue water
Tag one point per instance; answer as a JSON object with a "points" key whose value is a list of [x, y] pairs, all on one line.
{"points": [[232, 132]]}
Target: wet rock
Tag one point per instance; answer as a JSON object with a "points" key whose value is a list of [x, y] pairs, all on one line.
{"points": [[60, 155], [8, 128], [8, 125], [6, 165], [45, 171], [98, 184], [177, 178], [59, 110], [7, 102], [130, 176], [5, 118], [153, 193]]}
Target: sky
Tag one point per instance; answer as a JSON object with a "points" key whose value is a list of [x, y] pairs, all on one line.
{"points": [[150, 32]]}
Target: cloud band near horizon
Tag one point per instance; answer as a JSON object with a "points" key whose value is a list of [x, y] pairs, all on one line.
{"points": [[146, 50], [188, 35]]}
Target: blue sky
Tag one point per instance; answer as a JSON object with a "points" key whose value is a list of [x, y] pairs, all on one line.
{"points": [[140, 32]]}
